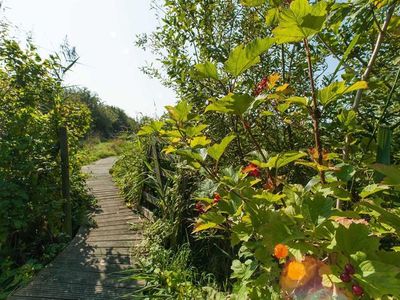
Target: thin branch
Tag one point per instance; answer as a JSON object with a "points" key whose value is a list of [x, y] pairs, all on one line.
{"points": [[374, 55], [315, 113]]}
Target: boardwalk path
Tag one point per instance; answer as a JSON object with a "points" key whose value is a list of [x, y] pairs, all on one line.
{"points": [[89, 267]]}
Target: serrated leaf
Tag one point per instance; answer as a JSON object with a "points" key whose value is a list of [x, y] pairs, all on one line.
{"points": [[372, 281], [199, 141], [372, 189], [216, 150], [282, 159], [232, 104], [152, 127], [207, 70], [300, 21], [336, 89], [179, 112], [243, 57], [269, 197]]}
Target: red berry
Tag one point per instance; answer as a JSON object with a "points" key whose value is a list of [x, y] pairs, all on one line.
{"points": [[345, 277], [200, 207], [349, 269], [357, 290]]}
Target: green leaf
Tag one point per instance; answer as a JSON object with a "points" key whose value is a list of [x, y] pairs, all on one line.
{"points": [[353, 239], [269, 197], [392, 173], [152, 127], [208, 220], [336, 89], [318, 208], [385, 216], [379, 279], [252, 3], [243, 57], [282, 159], [297, 100], [199, 141], [179, 112], [236, 104], [195, 130], [216, 150], [194, 158], [272, 16], [204, 226], [372, 189], [348, 118], [300, 21], [207, 70]]}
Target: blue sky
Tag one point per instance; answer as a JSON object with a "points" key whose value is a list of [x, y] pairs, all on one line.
{"points": [[104, 34]]}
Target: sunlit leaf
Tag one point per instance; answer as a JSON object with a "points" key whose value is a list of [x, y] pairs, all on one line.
{"points": [[207, 70], [372, 189], [300, 21], [199, 141], [336, 89], [152, 127], [179, 112], [232, 103], [252, 3], [216, 150], [243, 57]]}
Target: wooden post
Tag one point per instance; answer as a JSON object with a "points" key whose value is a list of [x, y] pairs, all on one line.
{"points": [[65, 184], [156, 161]]}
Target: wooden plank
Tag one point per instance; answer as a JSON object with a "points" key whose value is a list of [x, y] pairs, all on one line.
{"points": [[90, 266]]}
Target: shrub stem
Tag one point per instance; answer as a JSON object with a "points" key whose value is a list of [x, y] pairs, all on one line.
{"points": [[315, 113]]}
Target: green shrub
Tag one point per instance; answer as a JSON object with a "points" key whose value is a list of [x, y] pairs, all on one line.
{"points": [[128, 171]]}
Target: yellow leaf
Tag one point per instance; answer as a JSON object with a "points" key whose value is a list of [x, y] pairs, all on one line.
{"points": [[203, 226], [282, 87], [272, 79]]}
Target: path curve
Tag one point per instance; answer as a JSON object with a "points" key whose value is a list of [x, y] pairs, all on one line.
{"points": [[90, 266]]}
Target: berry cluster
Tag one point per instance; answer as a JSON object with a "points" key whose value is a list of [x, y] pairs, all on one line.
{"points": [[347, 276], [200, 207], [261, 86]]}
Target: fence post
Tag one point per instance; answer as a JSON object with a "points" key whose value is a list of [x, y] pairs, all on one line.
{"points": [[157, 168], [65, 184]]}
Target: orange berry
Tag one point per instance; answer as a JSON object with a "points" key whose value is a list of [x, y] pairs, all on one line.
{"points": [[296, 270], [281, 251]]}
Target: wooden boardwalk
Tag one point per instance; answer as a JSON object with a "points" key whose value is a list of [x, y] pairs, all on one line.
{"points": [[90, 266]]}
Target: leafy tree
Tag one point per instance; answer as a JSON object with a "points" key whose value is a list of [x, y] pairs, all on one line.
{"points": [[107, 120]]}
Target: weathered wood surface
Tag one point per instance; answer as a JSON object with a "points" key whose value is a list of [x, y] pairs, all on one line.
{"points": [[92, 265]]}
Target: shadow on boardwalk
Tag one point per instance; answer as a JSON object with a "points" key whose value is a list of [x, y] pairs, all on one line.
{"points": [[90, 266]]}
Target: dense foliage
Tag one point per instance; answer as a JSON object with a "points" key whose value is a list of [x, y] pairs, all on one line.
{"points": [[289, 129], [107, 121], [32, 108]]}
